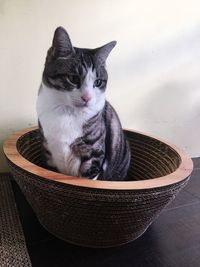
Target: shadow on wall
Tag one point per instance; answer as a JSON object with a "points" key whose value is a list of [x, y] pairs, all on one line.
{"points": [[161, 54], [172, 111]]}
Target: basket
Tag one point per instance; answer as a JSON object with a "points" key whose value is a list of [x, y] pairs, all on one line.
{"points": [[99, 213]]}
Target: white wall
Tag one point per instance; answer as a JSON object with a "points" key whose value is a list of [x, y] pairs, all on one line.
{"points": [[154, 70]]}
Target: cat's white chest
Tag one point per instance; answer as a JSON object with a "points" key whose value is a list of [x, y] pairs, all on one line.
{"points": [[60, 131], [61, 126]]}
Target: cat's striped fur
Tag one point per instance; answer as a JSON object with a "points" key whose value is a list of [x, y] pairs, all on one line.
{"points": [[82, 134]]}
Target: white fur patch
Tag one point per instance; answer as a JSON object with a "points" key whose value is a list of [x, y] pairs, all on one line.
{"points": [[62, 116]]}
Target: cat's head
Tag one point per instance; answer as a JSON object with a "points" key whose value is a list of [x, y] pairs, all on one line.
{"points": [[78, 72]]}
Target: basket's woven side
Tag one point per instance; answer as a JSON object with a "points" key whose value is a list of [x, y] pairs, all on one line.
{"points": [[93, 217], [13, 251], [150, 158]]}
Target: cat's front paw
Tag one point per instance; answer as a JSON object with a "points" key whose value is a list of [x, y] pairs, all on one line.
{"points": [[88, 170], [81, 149]]}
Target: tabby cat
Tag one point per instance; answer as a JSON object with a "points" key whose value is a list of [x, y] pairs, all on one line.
{"points": [[82, 134]]}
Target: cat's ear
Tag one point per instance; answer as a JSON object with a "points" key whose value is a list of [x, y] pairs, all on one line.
{"points": [[61, 43], [103, 52]]}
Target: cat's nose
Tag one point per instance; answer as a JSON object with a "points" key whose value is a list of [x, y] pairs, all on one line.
{"points": [[86, 98]]}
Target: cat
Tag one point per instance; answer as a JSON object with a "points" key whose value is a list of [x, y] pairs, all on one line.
{"points": [[81, 132]]}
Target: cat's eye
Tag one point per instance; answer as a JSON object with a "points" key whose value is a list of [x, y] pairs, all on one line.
{"points": [[74, 79], [98, 83]]}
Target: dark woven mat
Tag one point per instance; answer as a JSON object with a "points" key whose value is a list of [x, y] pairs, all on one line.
{"points": [[13, 250]]}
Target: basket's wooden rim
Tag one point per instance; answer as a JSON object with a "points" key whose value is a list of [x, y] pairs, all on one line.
{"points": [[179, 175]]}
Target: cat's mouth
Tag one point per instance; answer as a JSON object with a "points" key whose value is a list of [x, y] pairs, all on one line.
{"points": [[82, 105]]}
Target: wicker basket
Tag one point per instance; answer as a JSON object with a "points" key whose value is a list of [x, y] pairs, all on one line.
{"points": [[99, 213]]}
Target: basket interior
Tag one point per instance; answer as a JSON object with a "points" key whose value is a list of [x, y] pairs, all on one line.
{"points": [[150, 158]]}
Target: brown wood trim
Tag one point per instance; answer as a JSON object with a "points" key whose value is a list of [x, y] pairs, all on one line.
{"points": [[180, 174]]}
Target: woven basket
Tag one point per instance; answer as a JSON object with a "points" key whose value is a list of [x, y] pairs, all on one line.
{"points": [[99, 213]]}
